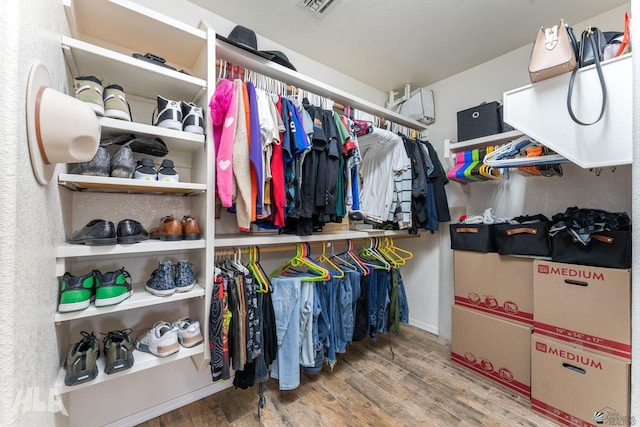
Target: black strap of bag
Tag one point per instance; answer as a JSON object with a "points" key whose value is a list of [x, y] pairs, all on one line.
{"points": [[591, 38]]}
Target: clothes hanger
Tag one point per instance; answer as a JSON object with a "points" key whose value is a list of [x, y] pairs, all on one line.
{"points": [[258, 273], [313, 273], [346, 266], [323, 259], [395, 249], [500, 158], [371, 255], [350, 254]]}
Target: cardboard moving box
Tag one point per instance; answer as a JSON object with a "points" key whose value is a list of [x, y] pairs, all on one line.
{"points": [[496, 284], [492, 347], [583, 305], [577, 387]]}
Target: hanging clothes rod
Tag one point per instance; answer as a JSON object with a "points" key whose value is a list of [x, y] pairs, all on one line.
{"points": [[292, 90], [289, 246]]}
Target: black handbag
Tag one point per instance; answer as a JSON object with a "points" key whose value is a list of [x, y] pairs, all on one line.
{"points": [[591, 49]]}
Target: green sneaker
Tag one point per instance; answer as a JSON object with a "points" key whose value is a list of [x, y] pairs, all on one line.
{"points": [[77, 292], [113, 288], [118, 349], [81, 360], [89, 89], [115, 104]]}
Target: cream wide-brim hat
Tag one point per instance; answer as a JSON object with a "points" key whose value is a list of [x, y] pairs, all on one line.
{"points": [[60, 128]]}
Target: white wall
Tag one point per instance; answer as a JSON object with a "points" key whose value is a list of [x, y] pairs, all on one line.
{"points": [[31, 221], [635, 278], [519, 195]]}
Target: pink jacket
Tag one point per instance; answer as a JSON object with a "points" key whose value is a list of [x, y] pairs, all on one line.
{"points": [[224, 111]]}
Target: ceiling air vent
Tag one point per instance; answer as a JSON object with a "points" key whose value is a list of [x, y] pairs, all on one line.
{"points": [[318, 7]]}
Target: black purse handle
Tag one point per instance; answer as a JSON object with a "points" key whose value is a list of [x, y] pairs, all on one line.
{"points": [[602, 85]]}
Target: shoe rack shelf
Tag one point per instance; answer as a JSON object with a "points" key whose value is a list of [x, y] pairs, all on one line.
{"points": [[139, 298], [102, 36], [174, 139], [136, 76], [142, 361], [127, 185]]}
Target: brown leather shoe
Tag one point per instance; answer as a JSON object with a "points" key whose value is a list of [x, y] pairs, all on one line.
{"points": [[170, 229], [190, 228]]}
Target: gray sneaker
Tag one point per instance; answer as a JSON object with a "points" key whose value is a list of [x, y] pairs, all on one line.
{"points": [[145, 170], [98, 166], [161, 282], [169, 114], [185, 280], [122, 163]]}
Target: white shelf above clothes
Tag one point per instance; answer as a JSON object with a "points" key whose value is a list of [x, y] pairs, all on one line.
{"points": [[540, 111], [243, 240], [128, 185], [268, 68]]}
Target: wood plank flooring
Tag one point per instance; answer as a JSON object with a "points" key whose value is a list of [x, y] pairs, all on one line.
{"points": [[417, 386]]}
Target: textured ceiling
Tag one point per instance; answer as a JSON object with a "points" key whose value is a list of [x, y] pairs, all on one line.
{"points": [[386, 44]]}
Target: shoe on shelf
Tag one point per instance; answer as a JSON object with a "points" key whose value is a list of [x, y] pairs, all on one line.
{"points": [[131, 231], [122, 163], [161, 340], [150, 146], [145, 170], [113, 288], [170, 229], [89, 89], [167, 172], [115, 104], [192, 119], [189, 334], [190, 228], [81, 360], [161, 283], [97, 232], [99, 165], [169, 114], [184, 279], [116, 140], [77, 292], [118, 350]]}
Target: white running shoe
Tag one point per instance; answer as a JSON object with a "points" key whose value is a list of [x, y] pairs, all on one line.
{"points": [[189, 334], [161, 340]]}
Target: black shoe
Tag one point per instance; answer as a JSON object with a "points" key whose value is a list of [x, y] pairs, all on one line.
{"points": [[97, 232], [131, 231], [150, 146]]}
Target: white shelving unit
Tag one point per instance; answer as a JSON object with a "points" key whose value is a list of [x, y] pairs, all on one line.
{"points": [[104, 35], [539, 111]]}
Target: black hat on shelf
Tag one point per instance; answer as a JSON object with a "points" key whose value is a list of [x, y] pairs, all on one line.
{"points": [[245, 38], [280, 58]]}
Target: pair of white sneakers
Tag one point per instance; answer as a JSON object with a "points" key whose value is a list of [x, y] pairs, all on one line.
{"points": [[179, 115], [165, 338]]}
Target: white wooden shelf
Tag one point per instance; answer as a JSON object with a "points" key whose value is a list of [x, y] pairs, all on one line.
{"points": [[141, 362], [240, 240], [137, 77], [127, 185], [140, 298], [175, 140], [497, 139], [268, 68], [68, 250], [540, 111], [119, 23]]}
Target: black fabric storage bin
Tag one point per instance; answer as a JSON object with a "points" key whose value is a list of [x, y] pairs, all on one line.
{"points": [[479, 121], [605, 249], [472, 237], [523, 239]]}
